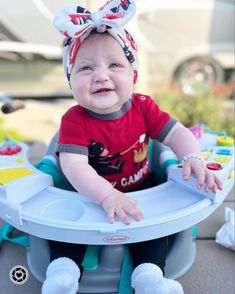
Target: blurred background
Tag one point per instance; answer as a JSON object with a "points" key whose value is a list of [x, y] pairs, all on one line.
{"points": [[186, 50]]}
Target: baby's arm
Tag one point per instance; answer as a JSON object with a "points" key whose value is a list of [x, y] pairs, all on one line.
{"points": [[182, 142], [86, 181]]}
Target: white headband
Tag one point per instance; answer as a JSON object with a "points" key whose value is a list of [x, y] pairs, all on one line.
{"points": [[76, 23]]}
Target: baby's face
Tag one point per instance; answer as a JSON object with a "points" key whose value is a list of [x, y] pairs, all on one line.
{"points": [[102, 77]]}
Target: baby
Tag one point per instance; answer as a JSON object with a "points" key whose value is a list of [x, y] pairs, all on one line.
{"points": [[103, 141]]}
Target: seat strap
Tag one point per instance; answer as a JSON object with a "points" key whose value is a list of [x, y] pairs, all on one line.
{"points": [[5, 234], [125, 274], [90, 259]]}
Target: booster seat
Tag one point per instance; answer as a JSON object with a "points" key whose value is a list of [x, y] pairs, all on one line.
{"points": [[30, 203], [107, 269]]}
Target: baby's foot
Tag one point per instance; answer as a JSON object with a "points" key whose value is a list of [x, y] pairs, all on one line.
{"points": [[173, 286], [148, 278], [61, 277]]}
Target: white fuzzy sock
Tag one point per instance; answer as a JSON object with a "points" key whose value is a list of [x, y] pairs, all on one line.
{"points": [[173, 286], [148, 278], [62, 277]]}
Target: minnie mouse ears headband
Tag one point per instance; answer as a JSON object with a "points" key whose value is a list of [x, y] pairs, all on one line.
{"points": [[76, 23]]}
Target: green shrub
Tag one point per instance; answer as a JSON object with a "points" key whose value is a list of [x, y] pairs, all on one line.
{"points": [[212, 109]]}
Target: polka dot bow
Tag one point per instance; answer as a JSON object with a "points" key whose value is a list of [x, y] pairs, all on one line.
{"points": [[76, 23]]}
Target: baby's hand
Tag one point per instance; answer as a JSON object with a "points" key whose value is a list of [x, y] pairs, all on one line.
{"points": [[203, 174], [117, 203]]}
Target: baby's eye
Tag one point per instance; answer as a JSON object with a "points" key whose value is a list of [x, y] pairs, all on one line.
{"points": [[114, 65], [85, 68]]}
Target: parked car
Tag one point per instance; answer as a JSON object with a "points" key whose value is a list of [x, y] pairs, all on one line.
{"points": [[183, 43], [191, 42]]}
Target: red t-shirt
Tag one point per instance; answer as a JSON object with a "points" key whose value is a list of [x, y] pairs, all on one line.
{"points": [[116, 143]]}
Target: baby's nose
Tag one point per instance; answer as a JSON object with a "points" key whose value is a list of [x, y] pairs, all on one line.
{"points": [[101, 75]]}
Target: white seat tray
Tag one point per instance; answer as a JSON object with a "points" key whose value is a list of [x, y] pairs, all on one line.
{"points": [[168, 208], [56, 214]]}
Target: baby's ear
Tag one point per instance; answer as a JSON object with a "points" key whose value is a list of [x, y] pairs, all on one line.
{"points": [[135, 76]]}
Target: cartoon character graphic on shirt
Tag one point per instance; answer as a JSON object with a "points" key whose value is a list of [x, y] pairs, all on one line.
{"points": [[100, 159], [140, 155], [107, 164]]}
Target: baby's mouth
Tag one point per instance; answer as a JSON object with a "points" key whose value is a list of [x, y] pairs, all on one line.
{"points": [[102, 90]]}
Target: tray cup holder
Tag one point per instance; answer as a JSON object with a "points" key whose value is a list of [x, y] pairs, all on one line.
{"points": [[63, 210]]}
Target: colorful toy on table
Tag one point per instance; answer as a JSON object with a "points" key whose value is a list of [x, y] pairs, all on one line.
{"points": [[19, 180], [10, 148], [225, 141], [197, 130], [222, 138], [217, 149], [7, 149]]}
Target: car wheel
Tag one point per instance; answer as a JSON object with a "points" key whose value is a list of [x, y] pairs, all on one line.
{"points": [[198, 75]]}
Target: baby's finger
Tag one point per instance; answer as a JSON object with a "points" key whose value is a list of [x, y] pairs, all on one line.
{"points": [[134, 212], [214, 188], [200, 175], [186, 171], [218, 182], [122, 215], [131, 201], [111, 215], [210, 183]]}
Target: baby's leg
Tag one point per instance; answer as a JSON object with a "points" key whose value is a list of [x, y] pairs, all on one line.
{"points": [[148, 278], [152, 251], [63, 272], [75, 252], [149, 262], [62, 277]]}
